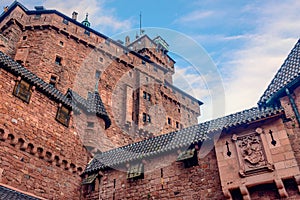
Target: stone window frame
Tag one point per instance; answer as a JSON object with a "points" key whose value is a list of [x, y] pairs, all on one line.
{"points": [[63, 115], [23, 90]]}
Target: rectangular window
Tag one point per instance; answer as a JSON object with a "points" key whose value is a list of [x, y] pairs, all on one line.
{"points": [[53, 80], [146, 96], [146, 118], [155, 68], [61, 43], [107, 42], [63, 115], [24, 37], [169, 121], [58, 60], [23, 90], [100, 59], [177, 124]]}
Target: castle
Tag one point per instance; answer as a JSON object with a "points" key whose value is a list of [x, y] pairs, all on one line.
{"points": [[87, 117]]}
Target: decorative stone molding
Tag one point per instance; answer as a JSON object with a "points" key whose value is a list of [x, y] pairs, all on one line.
{"points": [[40, 152], [251, 154], [281, 189]]}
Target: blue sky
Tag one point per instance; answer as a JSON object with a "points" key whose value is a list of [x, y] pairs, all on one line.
{"points": [[246, 40]]}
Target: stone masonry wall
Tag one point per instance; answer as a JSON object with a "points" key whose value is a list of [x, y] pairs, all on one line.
{"points": [[165, 179], [38, 154]]}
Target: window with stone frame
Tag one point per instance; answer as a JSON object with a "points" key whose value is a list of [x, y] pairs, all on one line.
{"points": [[23, 90], [63, 115]]}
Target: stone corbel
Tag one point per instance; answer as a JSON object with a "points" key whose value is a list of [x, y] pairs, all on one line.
{"points": [[297, 179], [245, 192], [281, 189], [227, 194]]}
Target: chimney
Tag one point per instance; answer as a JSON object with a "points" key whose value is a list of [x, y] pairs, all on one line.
{"points": [[74, 15]]}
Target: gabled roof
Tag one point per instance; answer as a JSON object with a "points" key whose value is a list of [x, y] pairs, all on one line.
{"points": [[287, 76], [10, 194], [72, 100], [178, 139], [93, 104]]}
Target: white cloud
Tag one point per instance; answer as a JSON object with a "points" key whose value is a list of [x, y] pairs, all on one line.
{"points": [[249, 68], [195, 16]]}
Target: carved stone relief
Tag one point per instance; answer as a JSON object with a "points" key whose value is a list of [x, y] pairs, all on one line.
{"points": [[251, 154]]}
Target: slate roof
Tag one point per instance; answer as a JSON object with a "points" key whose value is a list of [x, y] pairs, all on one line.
{"points": [[9, 194], [178, 139], [93, 104], [287, 76]]}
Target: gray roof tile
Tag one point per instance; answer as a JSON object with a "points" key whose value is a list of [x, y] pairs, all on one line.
{"points": [[93, 104], [178, 139], [9, 194], [286, 76]]}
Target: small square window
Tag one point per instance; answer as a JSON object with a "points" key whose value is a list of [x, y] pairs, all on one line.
{"points": [[100, 59], [143, 62], [58, 60], [61, 43], [65, 21], [24, 37], [53, 80], [63, 115], [155, 68], [23, 90], [90, 124], [107, 42]]}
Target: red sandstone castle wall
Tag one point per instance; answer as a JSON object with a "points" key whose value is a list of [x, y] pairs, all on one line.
{"points": [[173, 182], [33, 144]]}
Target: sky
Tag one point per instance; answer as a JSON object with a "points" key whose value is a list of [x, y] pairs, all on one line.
{"points": [[246, 41]]}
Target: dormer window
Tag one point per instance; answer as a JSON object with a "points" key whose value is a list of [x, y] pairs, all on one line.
{"points": [[63, 115], [188, 157], [23, 90], [136, 171]]}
